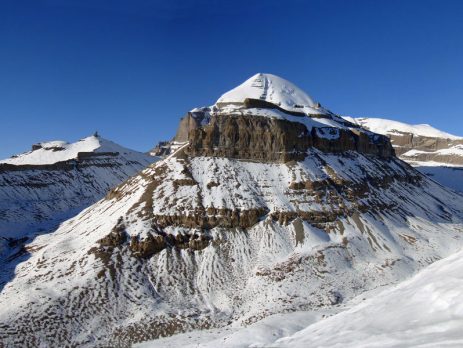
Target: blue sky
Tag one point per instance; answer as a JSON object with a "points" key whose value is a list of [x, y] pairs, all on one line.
{"points": [[131, 69]]}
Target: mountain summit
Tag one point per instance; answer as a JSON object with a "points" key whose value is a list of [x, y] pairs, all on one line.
{"points": [[286, 123], [271, 89], [258, 210], [51, 152]]}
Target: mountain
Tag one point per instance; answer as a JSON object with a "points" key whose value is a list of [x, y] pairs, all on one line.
{"points": [[56, 180], [433, 152], [270, 204]]}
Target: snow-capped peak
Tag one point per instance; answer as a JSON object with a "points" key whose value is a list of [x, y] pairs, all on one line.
{"points": [[56, 151], [272, 89], [388, 127]]}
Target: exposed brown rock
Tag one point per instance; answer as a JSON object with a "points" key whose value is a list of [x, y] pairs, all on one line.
{"points": [[148, 246], [245, 137], [116, 237], [189, 122], [275, 140], [213, 217], [199, 242], [404, 142], [408, 141]]}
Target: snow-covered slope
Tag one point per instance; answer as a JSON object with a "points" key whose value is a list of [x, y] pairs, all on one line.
{"points": [[424, 311], [433, 152], [203, 241], [56, 180], [256, 214], [386, 127]]}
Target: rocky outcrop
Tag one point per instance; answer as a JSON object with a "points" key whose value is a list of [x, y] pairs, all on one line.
{"points": [[404, 142], [151, 243], [428, 148], [257, 138], [190, 121], [213, 217], [147, 246], [162, 149], [274, 140], [452, 159], [116, 237], [336, 140], [420, 143]]}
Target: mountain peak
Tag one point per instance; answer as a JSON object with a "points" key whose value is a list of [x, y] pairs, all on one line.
{"points": [[50, 152], [271, 89], [390, 127]]}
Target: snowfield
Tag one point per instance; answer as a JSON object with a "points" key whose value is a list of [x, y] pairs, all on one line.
{"points": [[424, 311]]}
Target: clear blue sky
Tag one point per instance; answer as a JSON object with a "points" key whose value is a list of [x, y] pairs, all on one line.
{"points": [[131, 69]]}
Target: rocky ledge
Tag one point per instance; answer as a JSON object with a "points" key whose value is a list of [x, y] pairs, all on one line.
{"points": [[267, 139]]}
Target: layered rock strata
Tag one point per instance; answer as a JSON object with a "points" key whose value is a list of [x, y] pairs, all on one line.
{"points": [[274, 140]]}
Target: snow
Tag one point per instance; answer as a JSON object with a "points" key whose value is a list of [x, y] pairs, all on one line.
{"points": [[321, 122], [272, 89], [58, 151], [247, 274], [385, 127], [456, 150], [265, 331], [447, 175], [442, 165], [35, 198], [424, 311]]}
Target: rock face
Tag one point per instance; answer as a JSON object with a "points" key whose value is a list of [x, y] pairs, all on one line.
{"points": [[261, 212], [274, 140], [405, 142], [427, 148], [249, 137], [192, 120], [234, 134]]}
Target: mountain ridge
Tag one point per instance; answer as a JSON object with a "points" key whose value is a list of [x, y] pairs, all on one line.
{"points": [[56, 180]]}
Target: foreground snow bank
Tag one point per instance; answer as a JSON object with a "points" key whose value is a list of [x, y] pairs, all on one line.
{"points": [[425, 311], [265, 331]]}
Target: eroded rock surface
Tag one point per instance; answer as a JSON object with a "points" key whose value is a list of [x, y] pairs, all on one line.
{"points": [[274, 140]]}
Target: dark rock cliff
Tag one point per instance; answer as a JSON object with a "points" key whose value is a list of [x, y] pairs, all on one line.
{"points": [[275, 140], [404, 142]]}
